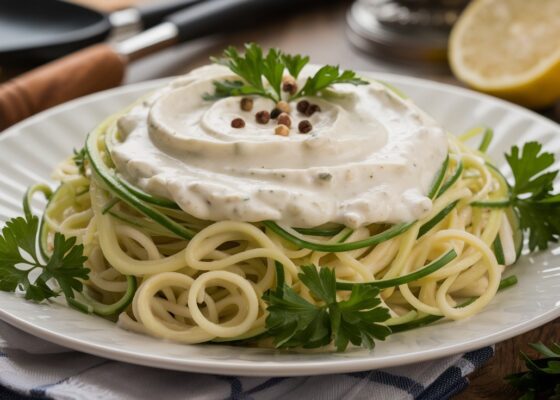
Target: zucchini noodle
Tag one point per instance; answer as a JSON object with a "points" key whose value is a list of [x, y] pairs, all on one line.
{"points": [[159, 271]]}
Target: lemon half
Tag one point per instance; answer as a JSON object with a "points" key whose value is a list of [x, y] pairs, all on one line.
{"points": [[509, 48]]}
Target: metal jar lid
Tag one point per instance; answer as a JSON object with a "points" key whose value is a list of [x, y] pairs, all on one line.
{"points": [[403, 29]]}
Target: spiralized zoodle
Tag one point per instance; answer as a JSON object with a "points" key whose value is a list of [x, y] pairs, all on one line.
{"points": [[157, 270]]}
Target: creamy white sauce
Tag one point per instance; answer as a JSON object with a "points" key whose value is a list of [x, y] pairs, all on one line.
{"points": [[371, 156]]}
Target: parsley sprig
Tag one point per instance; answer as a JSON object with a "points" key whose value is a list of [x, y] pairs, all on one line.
{"points": [[295, 322], [542, 380], [21, 268], [532, 194], [254, 67]]}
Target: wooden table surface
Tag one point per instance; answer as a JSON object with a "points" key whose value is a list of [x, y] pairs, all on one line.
{"points": [[321, 35]]}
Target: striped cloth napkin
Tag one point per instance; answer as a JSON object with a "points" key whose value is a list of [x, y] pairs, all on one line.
{"points": [[31, 368]]}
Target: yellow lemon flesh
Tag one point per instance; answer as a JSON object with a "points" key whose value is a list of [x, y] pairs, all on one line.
{"points": [[509, 48]]}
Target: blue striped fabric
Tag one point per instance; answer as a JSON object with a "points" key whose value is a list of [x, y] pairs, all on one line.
{"points": [[31, 368]]}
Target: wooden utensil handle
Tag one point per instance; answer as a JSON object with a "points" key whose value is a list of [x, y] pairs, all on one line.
{"points": [[87, 71]]}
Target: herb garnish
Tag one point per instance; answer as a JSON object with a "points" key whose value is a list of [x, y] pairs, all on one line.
{"points": [[543, 377], [532, 195], [253, 66], [79, 159], [19, 262], [295, 322]]}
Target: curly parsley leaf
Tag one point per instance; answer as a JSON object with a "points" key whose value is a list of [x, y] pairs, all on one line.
{"points": [[229, 88], [294, 63], [247, 66], [273, 69], [528, 168], [295, 322], [541, 220], [542, 380], [251, 67], [254, 68], [66, 265], [19, 259], [358, 319], [327, 76], [532, 194], [19, 233], [321, 283]]}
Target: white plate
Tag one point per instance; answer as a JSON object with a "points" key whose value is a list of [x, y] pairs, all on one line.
{"points": [[29, 151]]}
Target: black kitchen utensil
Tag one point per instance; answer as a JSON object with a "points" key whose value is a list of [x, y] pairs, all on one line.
{"points": [[35, 31]]}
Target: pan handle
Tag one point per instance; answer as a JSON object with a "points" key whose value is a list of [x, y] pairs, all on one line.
{"points": [[95, 68], [153, 13], [219, 16]]}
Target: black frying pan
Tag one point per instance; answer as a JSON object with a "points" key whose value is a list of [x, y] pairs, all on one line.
{"points": [[36, 31]]}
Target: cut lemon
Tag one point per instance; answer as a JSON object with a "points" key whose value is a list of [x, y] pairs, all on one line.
{"points": [[509, 48]]}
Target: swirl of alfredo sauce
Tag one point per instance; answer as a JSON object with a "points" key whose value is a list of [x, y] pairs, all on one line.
{"points": [[370, 157]]}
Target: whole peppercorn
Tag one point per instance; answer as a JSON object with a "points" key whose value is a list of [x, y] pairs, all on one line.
{"points": [[237, 123], [312, 109], [305, 126], [246, 104], [284, 119], [282, 130], [262, 117], [289, 85], [302, 106], [275, 113], [283, 106]]}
